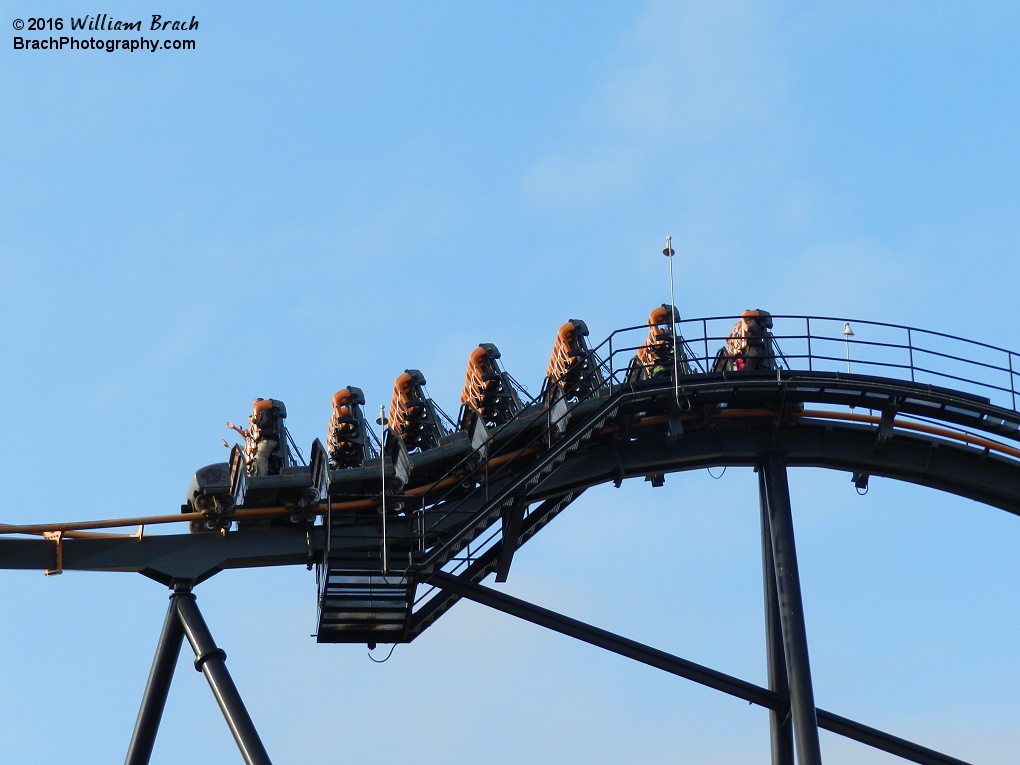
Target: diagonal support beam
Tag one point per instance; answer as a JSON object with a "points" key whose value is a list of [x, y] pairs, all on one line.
{"points": [[210, 661], [681, 667], [603, 639], [157, 688]]}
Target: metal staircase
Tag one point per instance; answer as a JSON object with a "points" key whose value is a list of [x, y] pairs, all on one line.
{"points": [[490, 506]]}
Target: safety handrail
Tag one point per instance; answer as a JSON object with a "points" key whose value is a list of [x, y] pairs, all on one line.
{"points": [[615, 360], [912, 351]]}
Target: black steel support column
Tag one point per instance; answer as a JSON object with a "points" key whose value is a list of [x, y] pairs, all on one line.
{"points": [[157, 688], [780, 728], [210, 660], [791, 610]]}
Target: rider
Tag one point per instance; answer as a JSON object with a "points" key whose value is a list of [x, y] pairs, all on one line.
{"points": [[655, 358], [260, 437], [748, 347]]}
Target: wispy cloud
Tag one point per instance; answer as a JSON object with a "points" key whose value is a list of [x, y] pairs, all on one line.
{"points": [[683, 77]]}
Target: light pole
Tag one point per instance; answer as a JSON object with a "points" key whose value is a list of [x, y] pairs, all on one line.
{"points": [[669, 253], [847, 334], [382, 469]]}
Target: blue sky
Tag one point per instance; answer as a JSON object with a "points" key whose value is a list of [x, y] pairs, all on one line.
{"points": [[325, 194]]}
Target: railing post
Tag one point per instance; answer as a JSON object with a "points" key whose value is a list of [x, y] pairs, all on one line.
{"points": [[1012, 387], [910, 348], [704, 335], [808, 320], [612, 361], [791, 610]]}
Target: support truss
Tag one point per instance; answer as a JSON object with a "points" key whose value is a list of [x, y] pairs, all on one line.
{"points": [[183, 619]]}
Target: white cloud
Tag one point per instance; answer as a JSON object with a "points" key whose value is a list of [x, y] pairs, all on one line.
{"points": [[682, 77], [694, 69]]}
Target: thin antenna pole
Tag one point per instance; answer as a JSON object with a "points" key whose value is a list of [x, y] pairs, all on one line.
{"points": [[668, 252], [382, 470]]}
